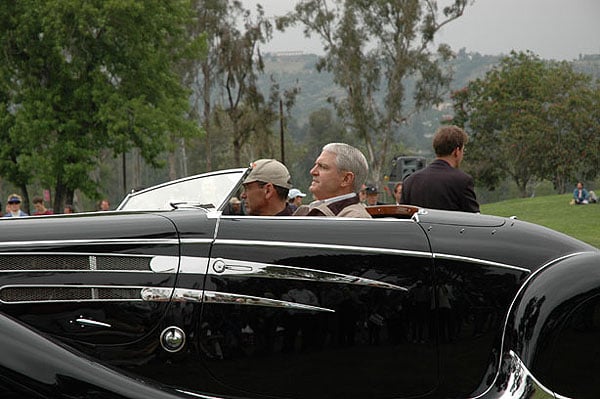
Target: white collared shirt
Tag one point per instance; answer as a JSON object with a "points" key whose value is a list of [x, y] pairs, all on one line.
{"points": [[328, 201]]}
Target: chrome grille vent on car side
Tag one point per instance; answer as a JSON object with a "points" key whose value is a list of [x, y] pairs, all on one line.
{"points": [[24, 294], [39, 262]]}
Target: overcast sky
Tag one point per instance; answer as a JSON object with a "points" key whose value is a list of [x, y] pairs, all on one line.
{"points": [[552, 29]]}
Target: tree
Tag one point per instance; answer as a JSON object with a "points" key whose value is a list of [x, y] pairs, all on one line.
{"points": [[234, 109], [249, 113], [371, 48], [530, 120], [85, 77]]}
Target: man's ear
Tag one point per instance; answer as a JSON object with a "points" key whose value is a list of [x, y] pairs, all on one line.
{"points": [[348, 179], [269, 190]]}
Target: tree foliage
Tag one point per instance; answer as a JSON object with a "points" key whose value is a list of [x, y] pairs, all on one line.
{"points": [[83, 77], [531, 120], [371, 48]]}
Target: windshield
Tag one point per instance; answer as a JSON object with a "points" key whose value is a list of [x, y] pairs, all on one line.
{"points": [[208, 190]]}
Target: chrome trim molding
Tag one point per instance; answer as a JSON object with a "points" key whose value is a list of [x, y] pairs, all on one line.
{"points": [[479, 261], [311, 245], [193, 265], [161, 294], [376, 250], [224, 298], [236, 299], [62, 243], [164, 264], [156, 294], [92, 323], [197, 240], [232, 267], [197, 395], [517, 382]]}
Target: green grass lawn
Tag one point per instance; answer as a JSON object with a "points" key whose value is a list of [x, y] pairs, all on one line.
{"points": [[553, 211]]}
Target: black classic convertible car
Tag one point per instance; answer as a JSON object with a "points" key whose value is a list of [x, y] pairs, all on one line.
{"points": [[170, 296]]}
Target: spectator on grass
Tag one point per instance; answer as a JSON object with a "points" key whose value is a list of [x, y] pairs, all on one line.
{"points": [[581, 195]]}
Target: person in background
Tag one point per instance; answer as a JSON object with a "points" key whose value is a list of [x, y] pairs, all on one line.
{"points": [[295, 198], [372, 196], [235, 206], [266, 189], [68, 209], [337, 177], [104, 205], [398, 192], [442, 185], [581, 195], [14, 206], [362, 194], [40, 208]]}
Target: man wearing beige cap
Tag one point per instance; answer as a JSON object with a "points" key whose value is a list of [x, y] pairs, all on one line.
{"points": [[266, 189]]}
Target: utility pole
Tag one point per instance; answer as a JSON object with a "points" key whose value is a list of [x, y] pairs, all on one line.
{"points": [[281, 138]]}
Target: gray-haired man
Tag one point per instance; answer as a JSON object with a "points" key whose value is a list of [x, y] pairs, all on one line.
{"points": [[337, 176]]}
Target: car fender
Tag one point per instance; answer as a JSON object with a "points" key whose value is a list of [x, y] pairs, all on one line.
{"points": [[34, 365], [534, 323]]}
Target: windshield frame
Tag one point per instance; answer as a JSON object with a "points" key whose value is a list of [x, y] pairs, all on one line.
{"points": [[159, 197]]}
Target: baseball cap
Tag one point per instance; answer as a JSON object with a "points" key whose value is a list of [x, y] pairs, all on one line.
{"points": [[371, 190], [14, 199], [294, 192], [269, 171]]}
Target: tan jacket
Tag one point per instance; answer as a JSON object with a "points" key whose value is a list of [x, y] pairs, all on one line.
{"points": [[350, 208]]}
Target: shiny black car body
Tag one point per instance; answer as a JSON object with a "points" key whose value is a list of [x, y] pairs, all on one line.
{"points": [[171, 296]]}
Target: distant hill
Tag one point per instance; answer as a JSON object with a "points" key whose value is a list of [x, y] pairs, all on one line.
{"points": [[291, 69]]}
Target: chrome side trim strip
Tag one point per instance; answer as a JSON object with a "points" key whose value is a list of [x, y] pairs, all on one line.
{"points": [[78, 271], [236, 299], [479, 261], [310, 245], [377, 250], [232, 267], [92, 323], [157, 294], [197, 395], [197, 240], [193, 265], [164, 264], [122, 241], [67, 253]]}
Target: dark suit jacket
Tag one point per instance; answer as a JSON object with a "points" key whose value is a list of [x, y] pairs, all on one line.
{"points": [[440, 186]]}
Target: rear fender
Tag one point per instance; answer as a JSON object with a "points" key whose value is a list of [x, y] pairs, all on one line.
{"points": [[535, 320]]}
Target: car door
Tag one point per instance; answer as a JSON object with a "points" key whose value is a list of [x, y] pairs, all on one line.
{"points": [[320, 307]]}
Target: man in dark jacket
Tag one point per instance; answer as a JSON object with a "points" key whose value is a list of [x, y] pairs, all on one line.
{"points": [[442, 185]]}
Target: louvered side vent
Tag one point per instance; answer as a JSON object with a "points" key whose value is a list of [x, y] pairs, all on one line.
{"points": [[73, 262], [25, 294]]}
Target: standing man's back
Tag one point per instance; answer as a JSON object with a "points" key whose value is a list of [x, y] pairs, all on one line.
{"points": [[442, 185]]}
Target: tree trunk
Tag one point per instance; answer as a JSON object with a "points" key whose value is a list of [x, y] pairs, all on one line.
{"points": [[26, 201], [206, 113]]}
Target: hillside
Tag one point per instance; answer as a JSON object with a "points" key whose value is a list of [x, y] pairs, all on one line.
{"points": [[298, 70]]}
